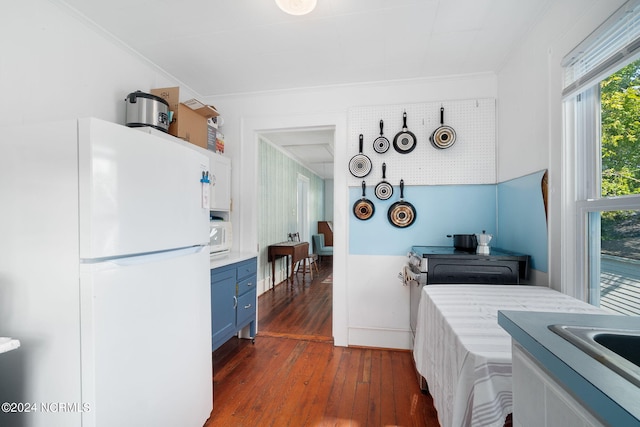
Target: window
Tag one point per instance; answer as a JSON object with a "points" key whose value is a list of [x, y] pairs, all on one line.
{"points": [[602, 116], [608, 190]]}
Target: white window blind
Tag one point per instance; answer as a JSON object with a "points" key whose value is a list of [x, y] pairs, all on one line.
{"points": [[613, 43]]}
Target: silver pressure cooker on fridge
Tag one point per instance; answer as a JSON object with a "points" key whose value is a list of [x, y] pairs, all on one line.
{"points": [[144, 109]]}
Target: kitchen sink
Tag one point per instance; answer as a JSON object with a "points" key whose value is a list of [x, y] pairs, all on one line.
{"points": [[617, 349]]}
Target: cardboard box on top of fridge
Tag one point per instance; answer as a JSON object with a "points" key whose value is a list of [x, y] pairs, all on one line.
{"points": [[204, 110], [189, 120], [190, 126]]}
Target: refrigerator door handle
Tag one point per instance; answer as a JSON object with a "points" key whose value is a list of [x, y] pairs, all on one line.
{"points": [[147, 257]]}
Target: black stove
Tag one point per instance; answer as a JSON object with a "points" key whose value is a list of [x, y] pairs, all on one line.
{"points": [[446, 264], [447, 251]]}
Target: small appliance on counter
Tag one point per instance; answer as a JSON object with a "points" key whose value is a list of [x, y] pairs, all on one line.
{"points": [[144, 109], [464, 242], [220, 237], [483, 243]]}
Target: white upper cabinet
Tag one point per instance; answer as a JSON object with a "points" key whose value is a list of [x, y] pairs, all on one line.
{"points": [[220, 182]]}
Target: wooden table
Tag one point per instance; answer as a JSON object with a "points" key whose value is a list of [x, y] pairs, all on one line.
{"points": [[298, 251]]}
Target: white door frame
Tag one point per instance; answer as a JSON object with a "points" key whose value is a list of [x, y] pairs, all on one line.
{"points": [[303, 207], [247, 213]]}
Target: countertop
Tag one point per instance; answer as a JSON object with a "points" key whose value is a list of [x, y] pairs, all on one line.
{"points": [[230, 258], [609, 396]]}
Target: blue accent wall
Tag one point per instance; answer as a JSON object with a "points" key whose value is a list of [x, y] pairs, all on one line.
{"points": [[512, 211], [522, 223], [440, 210]]}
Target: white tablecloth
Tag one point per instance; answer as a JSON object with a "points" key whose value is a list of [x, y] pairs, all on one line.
{"points": [[464, 354]]}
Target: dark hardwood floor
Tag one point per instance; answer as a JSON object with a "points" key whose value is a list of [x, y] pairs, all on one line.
{"points": [[294, 376], [299, 309]]}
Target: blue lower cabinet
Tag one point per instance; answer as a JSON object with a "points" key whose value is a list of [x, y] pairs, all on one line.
{"points": [[223, 312], [233, 300], [246, 310]]}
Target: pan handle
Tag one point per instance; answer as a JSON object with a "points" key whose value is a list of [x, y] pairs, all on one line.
{"points": [[442, 115], [381, 126], [360, 142], [401, 189], [384, 170], [404, 121], [364, 186]]}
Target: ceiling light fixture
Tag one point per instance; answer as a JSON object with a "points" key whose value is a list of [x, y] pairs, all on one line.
{"points": [[297, 7]]}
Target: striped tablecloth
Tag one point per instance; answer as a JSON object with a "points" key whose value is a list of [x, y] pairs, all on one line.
{"points": [[464, 354]]}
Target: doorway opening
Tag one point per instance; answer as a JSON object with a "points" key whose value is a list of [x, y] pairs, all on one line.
{"points": [[295, 194]]}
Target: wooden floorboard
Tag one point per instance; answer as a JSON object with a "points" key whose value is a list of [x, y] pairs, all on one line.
{"points": [[294, 376], [299, 308]]}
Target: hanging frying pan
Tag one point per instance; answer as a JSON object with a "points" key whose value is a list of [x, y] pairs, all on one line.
{"points": [[444, 136], [384, 190], [405, 141], [381, 144], [360, 165], [363, 209], [401, 214]]}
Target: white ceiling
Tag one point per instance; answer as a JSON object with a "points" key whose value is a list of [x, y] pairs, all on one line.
{"points": [[312, 148], [219, 47]]}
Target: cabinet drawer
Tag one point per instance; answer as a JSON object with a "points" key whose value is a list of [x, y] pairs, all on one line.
{"points": [[246, 308], [246, 285], [222, 274], [246, 268]]}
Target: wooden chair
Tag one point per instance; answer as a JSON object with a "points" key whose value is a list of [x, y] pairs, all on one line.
{"points": [[311, 260]]}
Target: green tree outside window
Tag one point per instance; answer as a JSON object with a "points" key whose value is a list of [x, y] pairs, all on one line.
{"points": [[620, 145]]}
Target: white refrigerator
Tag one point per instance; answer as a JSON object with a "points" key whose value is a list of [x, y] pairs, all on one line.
{"points": [[104, 278]]}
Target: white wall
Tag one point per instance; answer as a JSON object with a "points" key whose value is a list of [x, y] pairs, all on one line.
{"points": [[246, 115], [530, 135], [54, 66]]}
